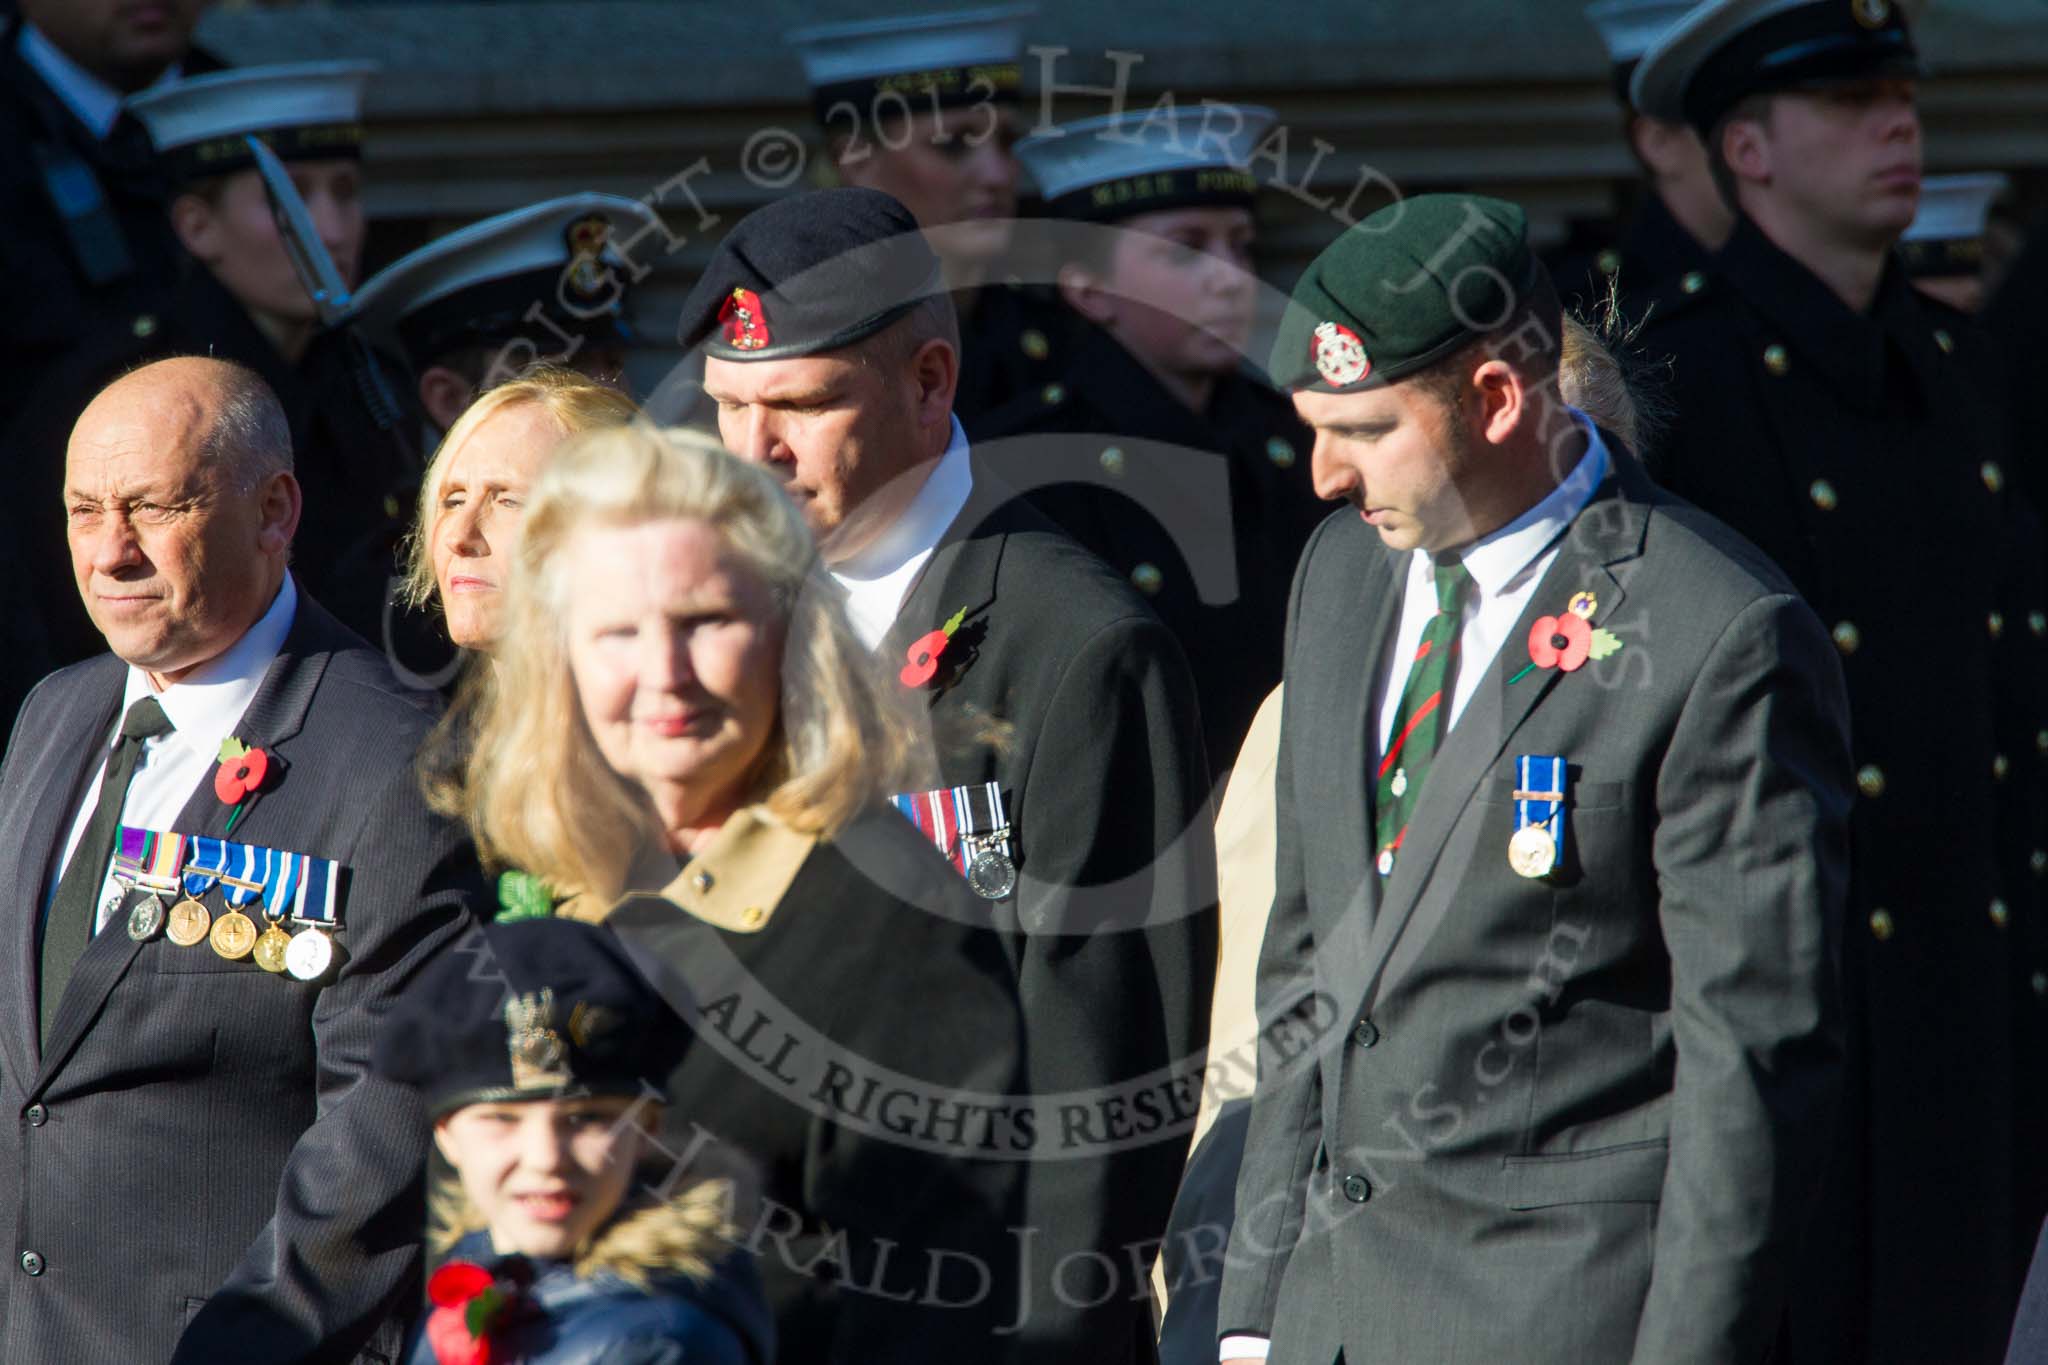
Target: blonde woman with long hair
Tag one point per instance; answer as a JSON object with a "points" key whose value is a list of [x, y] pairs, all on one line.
{"points": [[683, 738]]}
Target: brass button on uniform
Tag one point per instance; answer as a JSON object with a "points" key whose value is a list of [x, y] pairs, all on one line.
{"points": [[1870, 780], [1823, 494], [753, 916], [1356, 1189], [1147, 579], [1112, 460], [1847, 637], [1052, 394], [1944, 340], [2000, 766], [2038, 860], [2041, 741], [1034, 343], [1692, 282], [1995, 624], [1281, 452], [1778, 360], [2037, 622], [2041, 983], [1999, 914], [144, 325], [1880, 925], [1609, 261], [1993, 476]]}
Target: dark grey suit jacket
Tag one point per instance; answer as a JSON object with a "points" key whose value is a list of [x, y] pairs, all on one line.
{"points": [[202, 1159], [1571, 1120]]}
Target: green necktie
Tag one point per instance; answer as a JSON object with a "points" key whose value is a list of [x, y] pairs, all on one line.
{"points": [[1422, 719], [75, 908]]}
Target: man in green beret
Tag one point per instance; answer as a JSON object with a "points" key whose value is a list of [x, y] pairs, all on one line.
{"points": [[1552, 1024]]}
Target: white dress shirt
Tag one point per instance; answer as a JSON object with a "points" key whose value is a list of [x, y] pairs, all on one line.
{"points": [[1505, 566], [206, 705], [97, 104], [878, 578]]}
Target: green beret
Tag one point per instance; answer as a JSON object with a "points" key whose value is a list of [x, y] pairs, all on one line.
{"points": [[1398, 292]]}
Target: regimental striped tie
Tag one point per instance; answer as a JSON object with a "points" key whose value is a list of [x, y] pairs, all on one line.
{"points": [[1423, 717]]}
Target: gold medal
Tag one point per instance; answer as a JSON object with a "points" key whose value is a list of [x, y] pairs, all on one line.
{"points": [[233, 935], [309, 955], [1532, 852], [189, 922], [270, 949]]}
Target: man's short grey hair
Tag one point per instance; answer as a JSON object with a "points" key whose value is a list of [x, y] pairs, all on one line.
{"points": [[250, 435], [931, 318]]}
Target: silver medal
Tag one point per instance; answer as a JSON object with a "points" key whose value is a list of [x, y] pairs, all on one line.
{"points": [[309, 955], [990, 873], [146, 920]]}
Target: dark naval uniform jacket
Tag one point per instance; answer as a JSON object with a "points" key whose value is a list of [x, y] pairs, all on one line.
{"points": [[1655, 262], [1853, 451], [351, 471], [1063, 689], [1205, 514], [1014, 339], [1571, 1119], [85, 234], [201, 1166]]}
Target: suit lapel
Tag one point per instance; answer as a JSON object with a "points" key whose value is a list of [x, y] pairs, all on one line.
{"points": [[69, 760], [1360, 666], [275, 714], [1608, 531], [960, 577]]}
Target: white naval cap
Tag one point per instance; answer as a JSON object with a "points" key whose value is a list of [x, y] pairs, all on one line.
{"points": [[967, 57], [1721, 51], [1631, 28], [1947, 235], [494, 280], [1119, 165], [303, 110]]}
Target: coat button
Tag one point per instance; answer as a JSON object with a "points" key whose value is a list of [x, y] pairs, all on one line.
{"points": [[2041, 741], [2000, 766], [2037, 622], [1823, 494], [32, 1262], [703, 881], [2041, 983], [1366, 1032], [1778, 360], [1944, 340], [753, 916], [1870, 780], [1880, 925], [1692, 282], [1147, 579], [1999, 914], [36, 1115], [144, 325], [1995, 624], [1355, 1189], [1993, 476], [1280, 451], [1847, 637], [1033, 343], [1052, 395], [2038, 861], [1112, 459], [1609, 261]]}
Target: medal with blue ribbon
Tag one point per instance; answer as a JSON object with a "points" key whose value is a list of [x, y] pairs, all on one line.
{"points": [[234, 934], [311, 950], [971, 829], [281, 874], [1539, 815]]}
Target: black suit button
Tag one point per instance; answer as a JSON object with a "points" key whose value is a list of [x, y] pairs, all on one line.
{"points": [[1356, 1189], [32, 1262], [37, 1116], [1365, 1032]]}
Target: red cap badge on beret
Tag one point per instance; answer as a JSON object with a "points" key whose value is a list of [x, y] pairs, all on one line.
{"points": [[1339, 355], [746, 326]]}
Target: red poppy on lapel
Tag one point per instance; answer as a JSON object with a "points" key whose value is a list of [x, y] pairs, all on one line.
{"points": [[921, 662], [469, 1303], [1560, 642]]}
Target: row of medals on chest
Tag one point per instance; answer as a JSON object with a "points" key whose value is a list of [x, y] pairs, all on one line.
{"points": [[306, 954]]}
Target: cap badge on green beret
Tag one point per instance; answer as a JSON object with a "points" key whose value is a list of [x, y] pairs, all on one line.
{"points": [[1339, 355], [746, 325], [1871, 13], [539, 1056], [586, 238]]}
